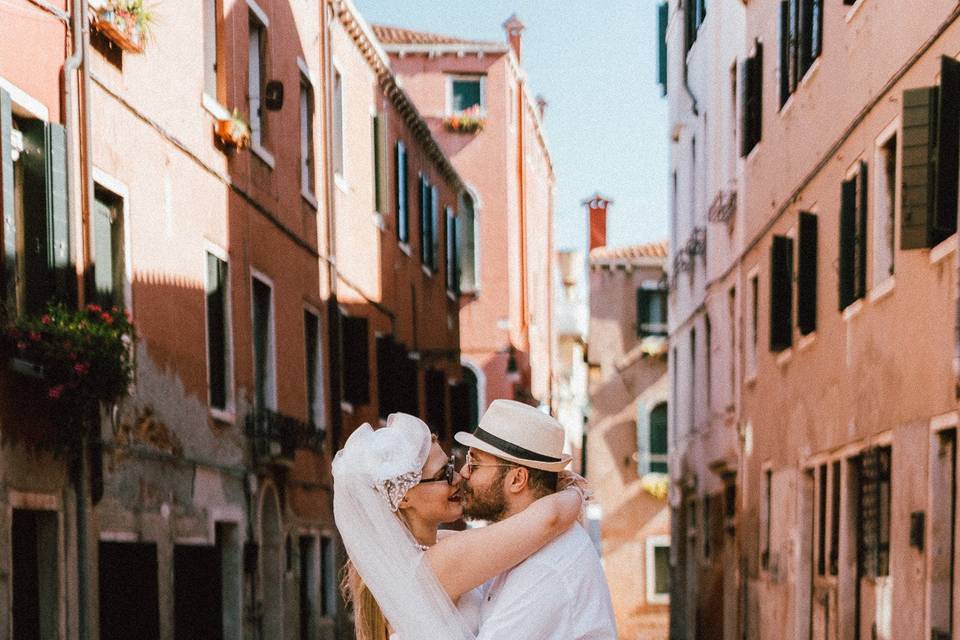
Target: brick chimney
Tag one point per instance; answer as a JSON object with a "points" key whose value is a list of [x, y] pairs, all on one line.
{"points": [[597, 208], [514, 28]]}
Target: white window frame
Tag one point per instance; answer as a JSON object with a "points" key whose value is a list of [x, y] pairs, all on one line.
{"points": [[882, 282], [307, 99], [645, 457], [465, 77], [652, 543], [753, 323], [253, 89], [120, 189], [271, 390], [339, 136], [228, 413], [319, 397]]}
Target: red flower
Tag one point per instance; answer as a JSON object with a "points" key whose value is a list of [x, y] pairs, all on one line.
{"points": [[45, 319], [94, 308], [55, 392], [106, 317], [82, 368], [22, 346], [34, 336]]}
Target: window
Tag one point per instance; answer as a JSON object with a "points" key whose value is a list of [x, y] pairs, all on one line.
{"points": [[338, 133], [308, 563], [400, 176], [307, 162], [801, 40], [692, 377], [732, 337], [434, 229], [218, 332], [658, 439], [427, 208], [105, 278], [766, 516], [663, 18], [835, 519], [751, 88], [708, 354], [467, 248], [257, 77], [873, 468], [36, 574], [883, 210], [356, 362], [853, 237], [328, 577], [753, 338], [212, 21], [658, 569], [731, 145], [466, 92], [822, 521], [312, 349], [651, 313], [376, 131], [781, 293], [931, 120], [694, 13], [807, 273], [264, 358], [453, 267], [36, 240], [692, 211]]}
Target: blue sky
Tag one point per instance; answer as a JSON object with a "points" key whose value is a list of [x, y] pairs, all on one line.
{"points": [[596, 64]]}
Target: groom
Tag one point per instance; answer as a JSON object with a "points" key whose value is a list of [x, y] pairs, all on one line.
{"points": [[560, 592]]}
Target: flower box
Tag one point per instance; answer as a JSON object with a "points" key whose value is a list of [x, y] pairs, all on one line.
{"points": [[233, 131], [124, 22], [470, 120]]}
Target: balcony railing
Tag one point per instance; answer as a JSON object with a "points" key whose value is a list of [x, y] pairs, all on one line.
{"points": [[724, 206], [275, 436]]}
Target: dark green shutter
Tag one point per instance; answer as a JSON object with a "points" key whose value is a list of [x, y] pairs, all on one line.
{"points": [[757, 82], [217, 330], [784, 51], [918, 165], [658, 437], [58, 217], [356, 361], [860, 262], [643, 311], [37, 277], [377, 177], [807, 274], [403, 211], [848, 215], [944, 222], [781, 293], [9, 282], [663, 16]]}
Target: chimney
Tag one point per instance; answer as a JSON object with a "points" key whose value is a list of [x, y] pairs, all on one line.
{"points": [[597, 208], [541, 105], [514, 28]]}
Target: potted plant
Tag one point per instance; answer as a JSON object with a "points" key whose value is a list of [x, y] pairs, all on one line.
{"points": [[76, 361], [234, 130], [125, 22], [470, 120]]}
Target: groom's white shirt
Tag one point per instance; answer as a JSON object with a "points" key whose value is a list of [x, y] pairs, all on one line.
{"points": [[558, 593]]}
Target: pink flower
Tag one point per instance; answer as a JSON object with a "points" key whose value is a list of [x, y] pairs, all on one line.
{"points": [[45, 319], [34, 336], [82, 368], [22, 346], [55, 392], [106, 317], [94, 308]]}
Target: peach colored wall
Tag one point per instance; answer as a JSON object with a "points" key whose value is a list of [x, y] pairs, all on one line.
{"points": [[37, 75]]}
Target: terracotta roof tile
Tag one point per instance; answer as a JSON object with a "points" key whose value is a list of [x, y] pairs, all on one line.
{"points": [[650, 250], [397, 35]]}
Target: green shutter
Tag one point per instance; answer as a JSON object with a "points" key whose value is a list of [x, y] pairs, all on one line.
{"points": [[781, 293], [58, 217], [9, 289], [918, 165], [403, 211], [944, 219], [37, 283], [663, 15], [102, 258], [848, 213], [434, 229], [860, 262], [743, 86], [377, 170], [784, 51], [807, 274], [217, 330]]}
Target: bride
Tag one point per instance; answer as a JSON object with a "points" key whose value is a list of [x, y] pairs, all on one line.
{"points": [[392, 488]]}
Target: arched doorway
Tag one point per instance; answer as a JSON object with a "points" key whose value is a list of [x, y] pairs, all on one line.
{"points": [[271, 564]]}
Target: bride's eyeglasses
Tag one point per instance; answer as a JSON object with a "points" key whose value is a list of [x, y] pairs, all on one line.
{"points": [[447, 473]]}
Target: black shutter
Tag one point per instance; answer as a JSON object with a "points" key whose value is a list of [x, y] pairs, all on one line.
{"points": [[848, 222], [919, 165], [743, 84], [860, 264], [944, 223], [217, 330], [8, 291], [807, 274], [784, 51], [663, 16], [58, 218], [38, 281], [757, 81], [356, 361], [805, 47], [781, 293], [387, 376], [436, 389], [335, 355]]}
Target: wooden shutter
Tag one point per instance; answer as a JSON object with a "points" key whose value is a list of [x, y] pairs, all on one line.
{"points": [[919, 165], [785, 56], [807, 273], [356, 361], [848, 215], [58, 217], [743, 84], [335, 361], [944, 221], [860, 263], [663, 16], [8, 291], [781, 293]]}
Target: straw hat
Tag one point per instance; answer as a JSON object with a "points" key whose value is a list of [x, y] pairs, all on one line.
{"points": [[517, 432]]}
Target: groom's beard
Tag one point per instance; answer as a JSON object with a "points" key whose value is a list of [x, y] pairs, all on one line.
{"points": [[488, 504]]}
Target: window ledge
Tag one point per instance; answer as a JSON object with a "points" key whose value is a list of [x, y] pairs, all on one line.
{"points": [[811, 72], [852, 310], [405, 247], [379, 222], [854, 10], [310, 199], [225, 416], [264, 155], [883, 289], [426, 270], [213, 106], [341, 182], [784, 357], [944, 249], [805, 341]]}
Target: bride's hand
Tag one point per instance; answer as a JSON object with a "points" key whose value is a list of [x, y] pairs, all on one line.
{"points": [[569, 480]]}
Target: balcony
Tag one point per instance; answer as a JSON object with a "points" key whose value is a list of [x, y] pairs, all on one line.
{"points": [[275, 436], [724, 207]]}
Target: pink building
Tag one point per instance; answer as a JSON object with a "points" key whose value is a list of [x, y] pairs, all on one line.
{"points": [[473, 96]]}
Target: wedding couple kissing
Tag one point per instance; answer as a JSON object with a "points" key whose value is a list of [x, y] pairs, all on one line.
{"points": [[530, 574]]}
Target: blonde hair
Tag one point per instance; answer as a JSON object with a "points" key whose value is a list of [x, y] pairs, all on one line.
{"points": [[368, 620]]}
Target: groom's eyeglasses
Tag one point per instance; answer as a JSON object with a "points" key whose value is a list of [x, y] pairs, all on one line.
{"points": [[472, 464], [447, 473]]}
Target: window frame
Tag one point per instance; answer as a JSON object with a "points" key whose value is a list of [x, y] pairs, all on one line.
{"points": [[120, 190], [339, 159], [651, 544], [451, 78], [316, 409], [401, 176], [308, 148], [228, 412], [214, 72], [270, 393], [881, 166]]}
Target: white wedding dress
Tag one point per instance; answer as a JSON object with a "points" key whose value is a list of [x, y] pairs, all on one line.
{"points": [[469, 608]]}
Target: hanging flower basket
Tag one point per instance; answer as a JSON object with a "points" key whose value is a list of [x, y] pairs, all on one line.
{"points": [[126, 23], [656, 484], [234, 131], [470, 120], [74, 361]]}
